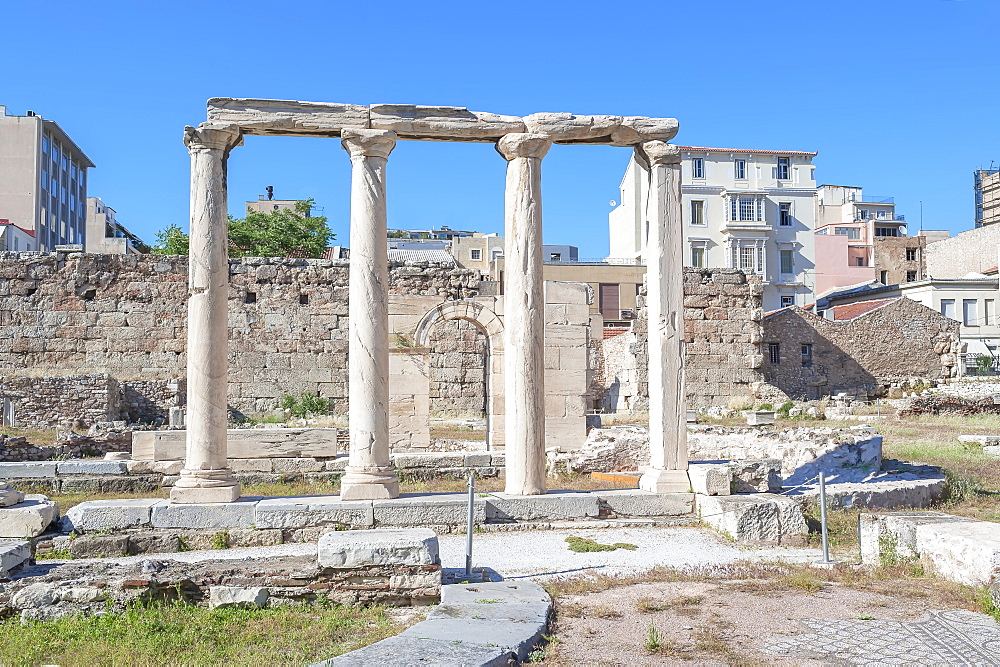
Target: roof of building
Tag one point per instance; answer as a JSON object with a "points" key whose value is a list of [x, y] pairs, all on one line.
{"points": [[440, 256], [849, 311], [5, 222], [745, 150]]}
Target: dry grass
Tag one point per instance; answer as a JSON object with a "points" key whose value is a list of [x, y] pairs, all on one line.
{"points": [[35, 436]]}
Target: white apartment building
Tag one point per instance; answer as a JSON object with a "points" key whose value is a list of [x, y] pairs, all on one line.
{"points": [[43, 180], [106, 235], [753, 210]]}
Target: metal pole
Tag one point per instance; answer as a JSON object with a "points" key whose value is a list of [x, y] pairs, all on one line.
{"points": [[822, 518], [469, 526]]}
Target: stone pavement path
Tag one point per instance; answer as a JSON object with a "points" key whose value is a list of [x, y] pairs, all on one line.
{"points": [[954, 637]]}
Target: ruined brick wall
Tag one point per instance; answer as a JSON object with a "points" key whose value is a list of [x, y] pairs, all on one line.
{"points": [[457, 364], [972, 250], [125, 316], [861, 356], [889, 255], [722, 313]]}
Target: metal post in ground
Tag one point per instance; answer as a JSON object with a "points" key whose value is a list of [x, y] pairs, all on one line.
{"points": [[469, 527], [822, 518]]}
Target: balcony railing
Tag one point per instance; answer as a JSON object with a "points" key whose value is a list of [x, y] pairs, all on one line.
{"points": [[877, 199], [613, 261]]}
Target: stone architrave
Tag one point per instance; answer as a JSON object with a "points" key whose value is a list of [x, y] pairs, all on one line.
{"points": [[369, 474], [524, 308], [206, 477], [665, 310]]}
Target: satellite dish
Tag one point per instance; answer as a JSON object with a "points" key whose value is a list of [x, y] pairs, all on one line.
{"points": [[612, 203]]}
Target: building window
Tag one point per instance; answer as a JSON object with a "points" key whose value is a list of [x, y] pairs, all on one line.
{"points": [[747, 256], [783, 163], [911, 276], [859, 261], [698, 257], [989, 313], [698, 167], [787, 301], [608, 300], [784, 214], [251, 297], [883, 277], [886, 231], [911, 254], [807, 354], [787, 261], [555, 256], [773, 354], [862, 214], [746, 208], [45, 143], [969, 315], [740, 170], [948, 308], [697, 212], [852, 233], [476, 254]]}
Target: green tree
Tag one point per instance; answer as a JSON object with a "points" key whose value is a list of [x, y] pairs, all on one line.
{"points": [[171, 241], [282, 233]]}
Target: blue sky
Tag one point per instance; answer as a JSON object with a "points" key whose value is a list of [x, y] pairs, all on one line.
{"points": [[897, 96]]}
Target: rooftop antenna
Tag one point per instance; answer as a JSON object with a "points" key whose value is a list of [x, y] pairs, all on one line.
{"points": [[921, 216], [270, 192]]}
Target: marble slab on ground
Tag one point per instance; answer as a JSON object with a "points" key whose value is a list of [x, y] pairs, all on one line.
{"points": [[13, 554], [29, 518]]}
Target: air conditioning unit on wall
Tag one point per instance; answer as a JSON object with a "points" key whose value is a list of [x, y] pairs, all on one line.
{"points": [[627, 314]]}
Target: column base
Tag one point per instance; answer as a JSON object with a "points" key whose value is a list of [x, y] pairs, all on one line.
{"points": [[369, 484], [205, 486], [656, 480]]}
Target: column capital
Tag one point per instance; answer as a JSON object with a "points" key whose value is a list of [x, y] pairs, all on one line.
{"points": [[658, 152], [367, 143], [523, 144], [213, 136]]}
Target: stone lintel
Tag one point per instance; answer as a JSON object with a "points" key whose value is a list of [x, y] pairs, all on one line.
{"points": [[411, 121], [287, 117]]}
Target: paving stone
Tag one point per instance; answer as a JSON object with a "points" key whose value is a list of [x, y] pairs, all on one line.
{"points": [[313, 511], [361, 548], [238, 514], [553, 505], [633, 502], [27, 469], [29, 518], [97, 515], [405, 651], [428, 510], [520, 638], [13, 554], [953, 637], [91, 468]]}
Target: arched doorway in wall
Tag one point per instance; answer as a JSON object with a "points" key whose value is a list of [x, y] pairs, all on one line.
{"points": [[471, 333]]}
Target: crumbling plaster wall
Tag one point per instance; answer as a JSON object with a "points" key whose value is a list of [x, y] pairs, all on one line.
{"points": [[861, 356], [970, 251]]}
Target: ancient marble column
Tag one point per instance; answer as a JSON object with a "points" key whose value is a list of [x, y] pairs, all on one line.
{"points": [[206, 477], [665, 311], [369, 474], [524, 314]]}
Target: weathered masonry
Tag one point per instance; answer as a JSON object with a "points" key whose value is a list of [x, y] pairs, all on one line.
{"points": [[369, 135]]}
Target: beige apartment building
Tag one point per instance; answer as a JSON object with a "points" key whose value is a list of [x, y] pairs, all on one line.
{"points": [[43, 180], [986, 185], [106, 235], [265, 205]]}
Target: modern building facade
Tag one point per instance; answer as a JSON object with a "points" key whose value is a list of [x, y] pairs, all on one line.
{"points": [[986, 188], [15, 239], [265, 205], [43, 180], [752, 210], [106, 235]]}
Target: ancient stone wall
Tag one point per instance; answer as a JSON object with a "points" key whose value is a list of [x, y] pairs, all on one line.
{"points": [[125, 316], [972, 250], [457, 368], [861, 356], [41, 402], [722, 313], [889, 257]]}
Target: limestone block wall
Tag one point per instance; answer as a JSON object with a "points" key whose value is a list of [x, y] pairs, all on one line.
{"points": [[41, 402], [972, 250], [861, 356], [722, 314], [457, 368]]}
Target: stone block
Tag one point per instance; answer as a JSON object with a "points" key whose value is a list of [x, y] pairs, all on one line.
{"points": [[251, 465], [399, 651], [992, 451], [27, 469], [363, 548], [13, 554], [755, 475], [100, 546], [431, 460], [238, 514], [139, 467], [9, 496], [29, 518], [296, 465], [222, 597], [759, 417], [761, 518], [241, 443], [710, 479], [313, 512], [555, 505], [478, 460], [98, 515], [168, 467], [427, 510], [188, 495], [636, 503], [91, 468]]}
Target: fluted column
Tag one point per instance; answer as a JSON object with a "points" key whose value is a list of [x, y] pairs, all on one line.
{"points": [[206, 477], [369, 474], [524, 314], [665, 312]]}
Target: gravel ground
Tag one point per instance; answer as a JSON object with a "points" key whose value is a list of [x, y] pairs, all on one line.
{"points": [[540, 554]]}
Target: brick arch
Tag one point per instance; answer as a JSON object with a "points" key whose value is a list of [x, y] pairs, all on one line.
{"points": [[484, 318]]}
